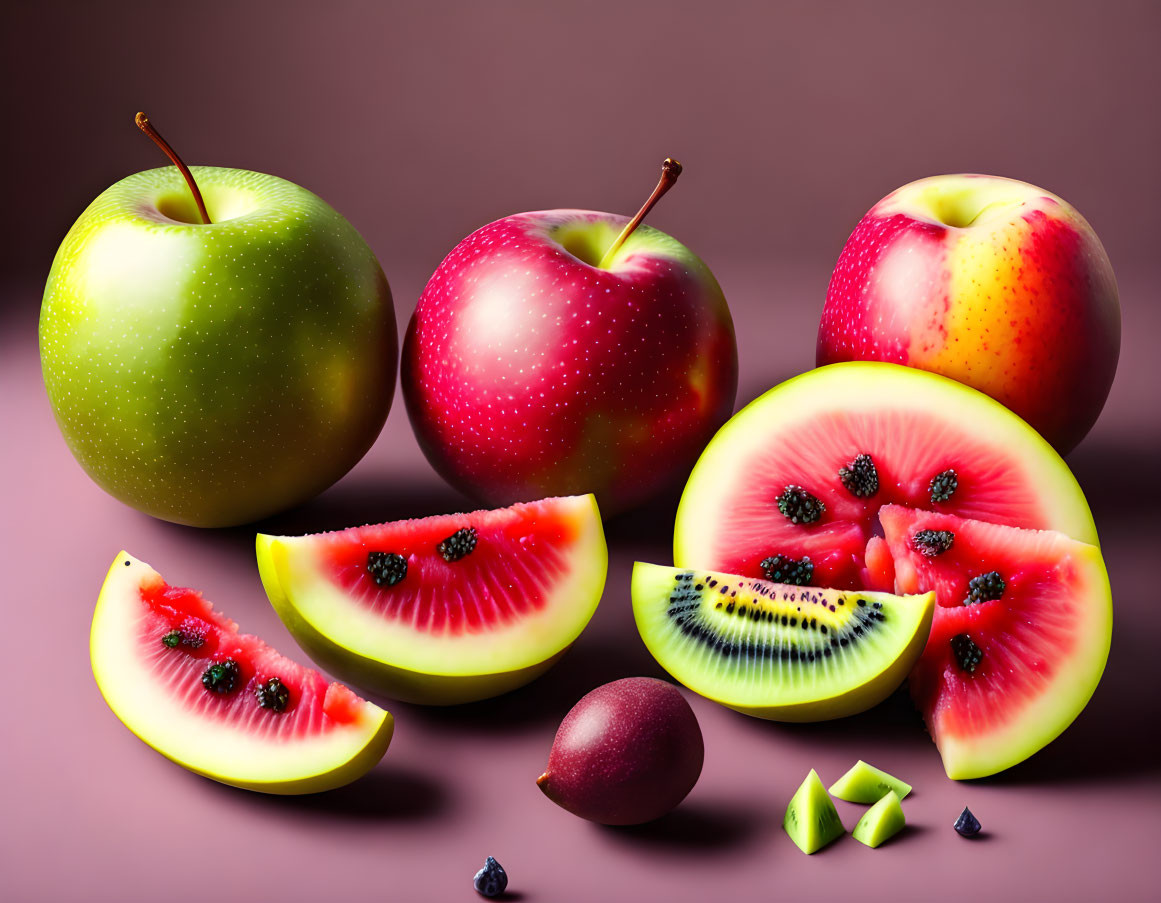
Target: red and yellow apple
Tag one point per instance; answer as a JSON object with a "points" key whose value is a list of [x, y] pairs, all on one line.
{"points": [[990, 281], [552, 355]]}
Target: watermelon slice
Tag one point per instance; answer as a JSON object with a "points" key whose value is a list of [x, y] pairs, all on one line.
{"points": [[792, 489], [1021, 632], [220, 703], [923, 437], [445, 609]]}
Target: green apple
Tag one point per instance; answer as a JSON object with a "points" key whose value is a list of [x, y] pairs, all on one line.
{"points": [[212, 374]]}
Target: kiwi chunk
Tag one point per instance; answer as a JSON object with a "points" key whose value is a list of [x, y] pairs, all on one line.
{"points": [[811, 819], [867, 784], [881, 822], [790, 653]]}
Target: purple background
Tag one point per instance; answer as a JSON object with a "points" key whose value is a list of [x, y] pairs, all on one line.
{"points": [[420, 124]]}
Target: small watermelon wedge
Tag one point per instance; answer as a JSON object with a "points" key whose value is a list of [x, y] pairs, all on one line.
{"points": [[1019, 640], [182, 678], [447, 609]]}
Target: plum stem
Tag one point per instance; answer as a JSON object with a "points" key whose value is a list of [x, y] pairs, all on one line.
{"points": [[146, 126], [670, 170]]}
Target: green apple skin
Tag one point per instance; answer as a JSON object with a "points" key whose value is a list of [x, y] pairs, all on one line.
{"points": [[215, 374]]}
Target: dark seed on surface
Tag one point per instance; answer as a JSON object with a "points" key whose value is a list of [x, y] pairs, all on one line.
{"points": [[459, 544], [221, 677], [943, 486], [172, 638], [860, 477], [491, 880], [784, 569], [386, 568], [931, 543], [967, 654], [799, 506], [273, 694], [967, 825], [985, 588]]}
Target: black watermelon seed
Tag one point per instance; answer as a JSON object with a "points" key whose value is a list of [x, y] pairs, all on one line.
{"points": [[784, 569], [931, 543], [459, 544], [221, 677], [985, 588], [967, 825], [860, 477], [967, 654], [943, 486], [273, 694], [386, 568], [799, 506]]}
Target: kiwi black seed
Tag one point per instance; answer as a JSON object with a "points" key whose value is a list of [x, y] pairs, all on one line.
{"points": [[943, 486], [800, 507], [985, 588], [967, 654], [931, 543], [785, 569], [860, 477], [386, 568], [459, 544]]}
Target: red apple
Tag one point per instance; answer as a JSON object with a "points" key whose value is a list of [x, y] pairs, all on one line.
{"points": [[990, 281], [568, 351]]}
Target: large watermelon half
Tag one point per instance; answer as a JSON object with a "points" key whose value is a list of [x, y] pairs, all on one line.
{"points": [[444, 609], [791, 489], [223, 704]]}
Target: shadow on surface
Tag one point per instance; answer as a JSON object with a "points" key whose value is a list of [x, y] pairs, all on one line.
{"points": [[386, 793], [708, 827]]}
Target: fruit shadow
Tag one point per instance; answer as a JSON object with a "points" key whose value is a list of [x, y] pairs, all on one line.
{"points": [[721, 827], [592, 661], [386, 793]]}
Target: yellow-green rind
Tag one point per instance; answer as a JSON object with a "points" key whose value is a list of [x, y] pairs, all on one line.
{"points": [[811, 819], [1041, 723], [355, 751], [652, 583], [863, 385], [345, 658], [881, 822], [864, 783]]}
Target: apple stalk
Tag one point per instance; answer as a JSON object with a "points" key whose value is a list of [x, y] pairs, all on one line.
{"points": [[146, 126], [670, 170]]}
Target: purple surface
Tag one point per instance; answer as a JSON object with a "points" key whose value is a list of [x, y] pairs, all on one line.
{"points": [[421, 125]]}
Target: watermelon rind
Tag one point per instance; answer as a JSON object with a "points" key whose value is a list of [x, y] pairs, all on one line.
{"points": [[305, 764], [356, 645], [651, 587], [720, 474]]}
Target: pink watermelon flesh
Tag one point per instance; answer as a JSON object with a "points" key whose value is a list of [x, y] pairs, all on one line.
{"points": [[520, 554], [907, 450], [1031, 657], [314, 704]]}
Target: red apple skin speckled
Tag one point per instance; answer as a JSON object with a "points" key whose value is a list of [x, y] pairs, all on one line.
{"points": [[528, 371], [990, 281], [627, 753]]}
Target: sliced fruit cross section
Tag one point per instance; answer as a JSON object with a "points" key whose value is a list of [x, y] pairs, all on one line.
{"points": [[777, 651], [865, 783], [221, 703], [881, 822], [793, 482], [444, 609], [811, 819], [1020, 635]]}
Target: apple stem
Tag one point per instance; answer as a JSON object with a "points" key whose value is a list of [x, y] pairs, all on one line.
{"points": [[146, 126], [670, 170]]}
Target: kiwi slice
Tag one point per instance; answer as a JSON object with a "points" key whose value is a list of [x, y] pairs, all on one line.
{"points": [[881, 822], [811, 819], [867, 784], [788, 653]]}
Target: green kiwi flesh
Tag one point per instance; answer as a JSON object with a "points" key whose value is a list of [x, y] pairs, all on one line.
{"points": [[881, 822], [811, 819], [867, 784], [787, 653]]}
